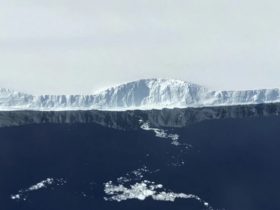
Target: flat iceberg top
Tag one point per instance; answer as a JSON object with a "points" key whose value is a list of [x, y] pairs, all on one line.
{"points": [[143, 94]]}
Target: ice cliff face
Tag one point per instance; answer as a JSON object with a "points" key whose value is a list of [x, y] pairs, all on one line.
{"points": [[142, 94]]}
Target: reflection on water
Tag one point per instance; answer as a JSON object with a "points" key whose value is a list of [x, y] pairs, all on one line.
{"points": [[172, 118]]}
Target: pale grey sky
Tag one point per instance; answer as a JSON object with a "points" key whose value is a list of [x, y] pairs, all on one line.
{"points": [[67, 46]]}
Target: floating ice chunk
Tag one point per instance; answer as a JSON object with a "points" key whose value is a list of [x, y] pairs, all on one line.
{"points": [[23, 194], [134, 175], [161, 133], [40, 185], [146, 189], [14, 197]]}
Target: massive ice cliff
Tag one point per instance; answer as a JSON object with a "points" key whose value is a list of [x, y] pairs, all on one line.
{"points": [[141, 94]]}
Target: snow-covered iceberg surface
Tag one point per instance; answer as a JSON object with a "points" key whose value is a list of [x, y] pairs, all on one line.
{"points": [[141, 94]]}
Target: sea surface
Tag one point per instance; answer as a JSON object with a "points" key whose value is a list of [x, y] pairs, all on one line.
{"points": [[220, 158]]}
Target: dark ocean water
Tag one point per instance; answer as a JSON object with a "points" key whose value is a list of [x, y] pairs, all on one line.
{"points": [[228, 157]]}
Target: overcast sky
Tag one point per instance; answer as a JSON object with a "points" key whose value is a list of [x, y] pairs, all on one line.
{"points": [[67, 46]]}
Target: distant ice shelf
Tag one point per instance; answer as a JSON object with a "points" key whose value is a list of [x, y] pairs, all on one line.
{"points": [[143, 94]]}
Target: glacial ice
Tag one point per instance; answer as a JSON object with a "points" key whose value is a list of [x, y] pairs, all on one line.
{"points": [[142, 94]]}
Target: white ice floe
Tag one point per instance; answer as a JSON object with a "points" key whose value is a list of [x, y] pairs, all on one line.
{"points": [[146, 189], [161, 133], [23, 194], [133, 186], [42, 184], [134, 175]]}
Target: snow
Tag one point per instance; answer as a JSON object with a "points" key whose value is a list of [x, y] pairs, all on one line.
{"points": [[142, 94]]}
